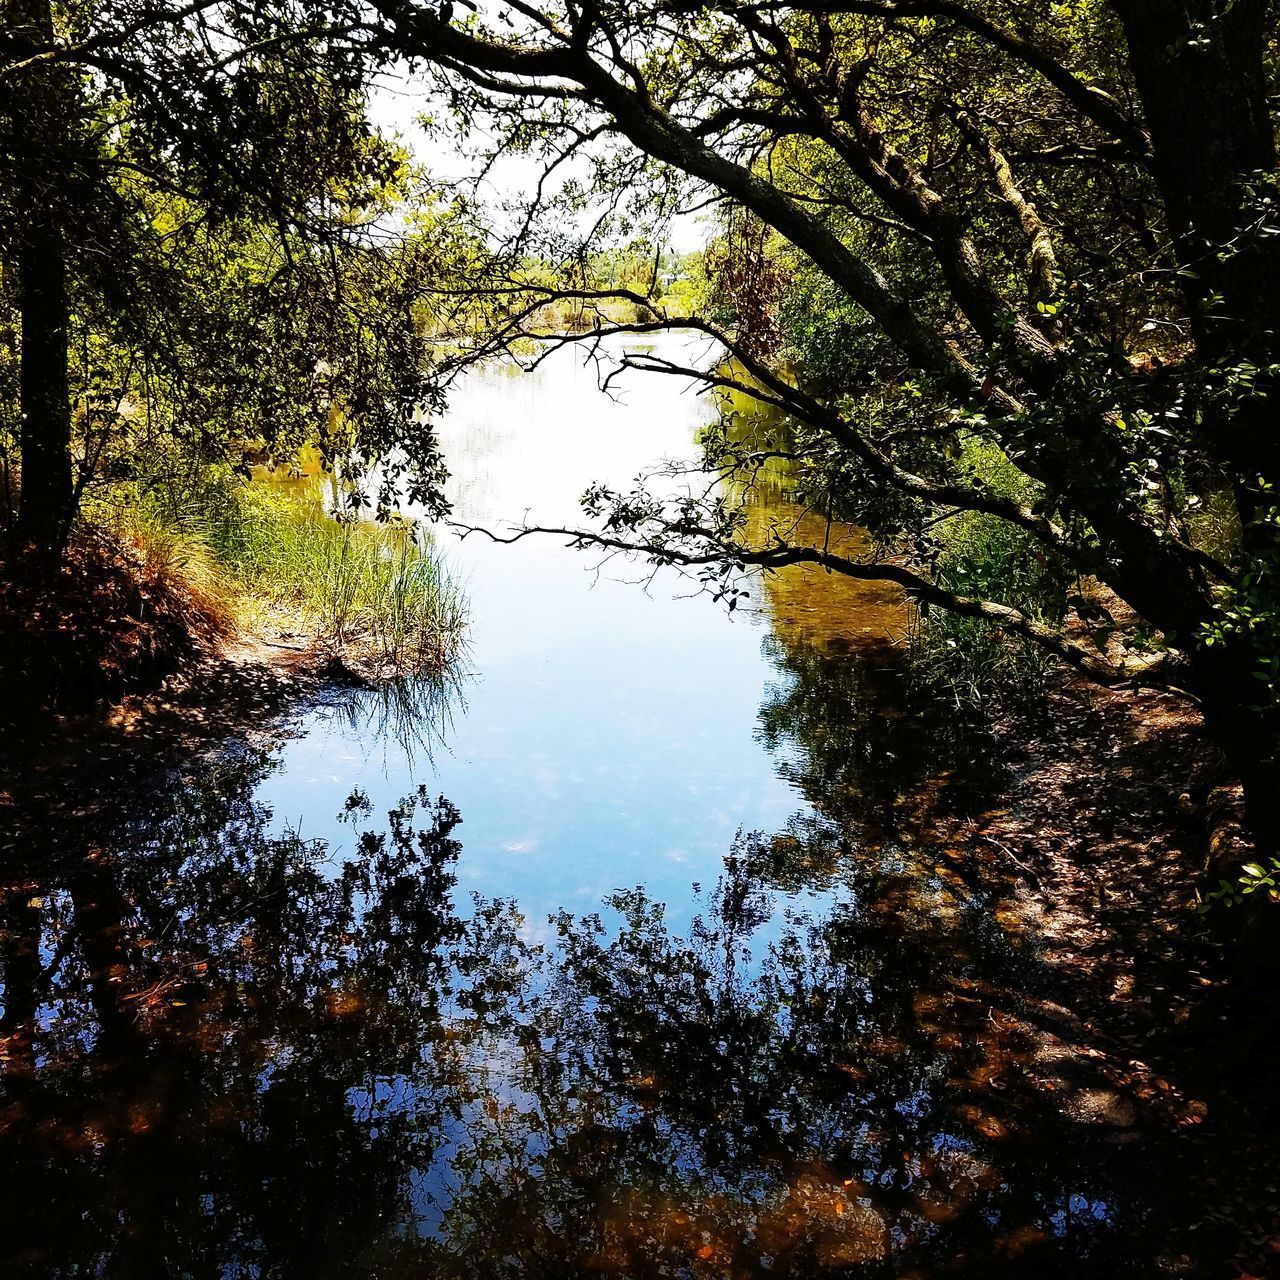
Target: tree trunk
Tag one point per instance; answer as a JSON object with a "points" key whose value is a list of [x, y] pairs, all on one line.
{"points": [[42, 101], [1202, 79], [47, 497], [1246, 727], [1201, 73]]}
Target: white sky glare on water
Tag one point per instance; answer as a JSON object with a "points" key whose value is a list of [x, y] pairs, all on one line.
{"points": [[398, 103]]}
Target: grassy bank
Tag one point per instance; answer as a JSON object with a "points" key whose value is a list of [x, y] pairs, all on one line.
{"points": [[377, 592], [161, 571]]}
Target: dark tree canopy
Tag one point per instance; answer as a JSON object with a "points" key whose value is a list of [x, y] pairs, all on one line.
{"points": [[1043, 236]]}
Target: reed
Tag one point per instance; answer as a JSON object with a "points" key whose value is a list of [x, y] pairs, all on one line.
{"points": [[377, 586], [180, 570], [379, 589]]}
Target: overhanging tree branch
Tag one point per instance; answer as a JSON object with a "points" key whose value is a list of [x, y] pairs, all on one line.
{"points": [[1156, 673], [1095, 104]]}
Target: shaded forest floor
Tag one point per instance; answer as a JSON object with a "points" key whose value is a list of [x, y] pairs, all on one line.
{"points": [[114, 671], [1116, 810]]}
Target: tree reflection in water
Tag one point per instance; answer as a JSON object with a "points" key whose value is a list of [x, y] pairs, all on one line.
{"points": [[869, 745], [231, 1052]]}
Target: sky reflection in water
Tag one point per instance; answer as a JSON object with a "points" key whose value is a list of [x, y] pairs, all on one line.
{"points": [[608, 737], [273, 1036]]}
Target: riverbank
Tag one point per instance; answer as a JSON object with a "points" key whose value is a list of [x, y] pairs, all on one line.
{"points": [[120, 663], [101, 697], [161, 576], [1100, 848]]}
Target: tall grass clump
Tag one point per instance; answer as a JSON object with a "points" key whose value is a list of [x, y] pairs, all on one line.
{"points": [[376, 586], [137, 601], [182, 568], [378, 589]]}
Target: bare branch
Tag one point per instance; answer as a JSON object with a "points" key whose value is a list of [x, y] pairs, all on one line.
{"points": [[917, 588]]}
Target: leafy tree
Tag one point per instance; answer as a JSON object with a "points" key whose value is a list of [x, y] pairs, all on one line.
{"points": [[1045, 236], [202, 236]]}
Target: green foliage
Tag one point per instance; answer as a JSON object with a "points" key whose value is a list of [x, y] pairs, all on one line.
{"points": [[1255, 877], [825, 331], [1249, 612], [379, 587], [247, 256], [981, 557]]}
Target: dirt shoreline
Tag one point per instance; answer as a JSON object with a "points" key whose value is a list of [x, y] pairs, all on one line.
{"points": [[245, 686], [1117, 809]]}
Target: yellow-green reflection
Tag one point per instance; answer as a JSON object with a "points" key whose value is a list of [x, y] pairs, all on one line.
{"points": [[811, 605], [304, 477], [807, 604]]}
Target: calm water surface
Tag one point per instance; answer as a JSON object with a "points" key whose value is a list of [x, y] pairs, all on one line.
{"points": [[608, 732], [635, 952]]}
